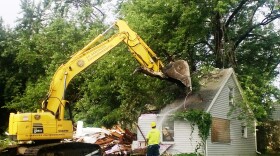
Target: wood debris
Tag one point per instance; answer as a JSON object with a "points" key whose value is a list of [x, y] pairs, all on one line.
{"points": [[114, 141]]}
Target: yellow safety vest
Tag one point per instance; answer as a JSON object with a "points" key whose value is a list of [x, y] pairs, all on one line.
{"points": [[153, 136]]}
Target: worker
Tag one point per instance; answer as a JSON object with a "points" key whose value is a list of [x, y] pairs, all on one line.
{"points": [[153, 139]]}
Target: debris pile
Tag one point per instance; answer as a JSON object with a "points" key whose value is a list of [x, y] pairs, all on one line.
{"points": [[114, 141]]}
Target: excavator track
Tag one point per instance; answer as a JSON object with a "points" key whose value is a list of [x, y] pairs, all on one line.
{"points": [[59, 149], [64, 149], [9, 151]]}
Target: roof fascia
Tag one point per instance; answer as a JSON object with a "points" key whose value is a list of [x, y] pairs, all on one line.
{"points": [[219, 91]]}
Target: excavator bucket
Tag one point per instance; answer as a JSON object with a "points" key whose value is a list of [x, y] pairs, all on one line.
{"points": [[179, 70]]}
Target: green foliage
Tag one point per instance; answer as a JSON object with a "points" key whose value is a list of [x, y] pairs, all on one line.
{"points": [[188, 154], [221, 34], [99, 95], [119, 95], [256, 75], [268, 138], [167, 26], [199, 118], [201, 32], [5, 142], [242, 112], [198, 75], [32, 97]]}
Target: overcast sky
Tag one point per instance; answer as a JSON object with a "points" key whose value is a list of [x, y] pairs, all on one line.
{"points": [[9, 10]]}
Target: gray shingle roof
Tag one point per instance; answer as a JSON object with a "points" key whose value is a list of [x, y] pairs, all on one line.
{"points": [[210, 86]]}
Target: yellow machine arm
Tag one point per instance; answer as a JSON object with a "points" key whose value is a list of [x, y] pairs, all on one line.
{"points": [[49, 123], [148, 60]]}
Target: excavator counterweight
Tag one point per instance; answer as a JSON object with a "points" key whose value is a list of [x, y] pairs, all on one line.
{"points": [[48, 125]]}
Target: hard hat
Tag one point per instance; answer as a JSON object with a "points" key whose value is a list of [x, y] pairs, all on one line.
{"points": [[153, 124]]}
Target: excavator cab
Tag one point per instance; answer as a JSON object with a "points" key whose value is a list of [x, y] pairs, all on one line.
{"points": [[48, 126]]}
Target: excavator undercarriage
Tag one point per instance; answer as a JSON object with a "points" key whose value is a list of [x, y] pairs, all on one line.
{"points": [[54, 149], [49, 123]]}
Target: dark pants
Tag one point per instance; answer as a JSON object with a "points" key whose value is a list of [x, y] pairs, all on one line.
{"points": [[153, 150]]}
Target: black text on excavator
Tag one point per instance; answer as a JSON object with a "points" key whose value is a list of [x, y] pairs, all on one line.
{"points": [[48, 125]]}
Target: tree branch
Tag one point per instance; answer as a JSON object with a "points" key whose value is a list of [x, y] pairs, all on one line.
{"points": [[239, 7], [206, 43], [265, 21]]}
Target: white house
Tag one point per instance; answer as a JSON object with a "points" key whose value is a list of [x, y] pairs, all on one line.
{"points": [[276, 112], [219, 95]]}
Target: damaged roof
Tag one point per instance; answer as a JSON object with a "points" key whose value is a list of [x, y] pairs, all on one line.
{"points": [[211, 85]]}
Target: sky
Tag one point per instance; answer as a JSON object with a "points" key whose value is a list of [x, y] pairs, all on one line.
{"points": [[9, 11]]}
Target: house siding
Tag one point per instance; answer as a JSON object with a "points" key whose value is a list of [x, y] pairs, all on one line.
{"points": [[216, 102], [186, 140], [238, 145], [275, 113], [144, 122]]}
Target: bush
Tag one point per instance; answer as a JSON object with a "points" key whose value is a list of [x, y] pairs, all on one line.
{"points": [[5, 142]]}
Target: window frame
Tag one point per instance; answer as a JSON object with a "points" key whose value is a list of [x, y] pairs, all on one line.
{"points": [[244, 130], [218, 128], [167, 127], [231, 96]]}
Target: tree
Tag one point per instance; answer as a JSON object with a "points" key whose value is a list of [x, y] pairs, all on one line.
{"points": [[218, 33], [37, 49], [6, 76], [229, 33], [47, 35], [113, 94], [205, 33]]}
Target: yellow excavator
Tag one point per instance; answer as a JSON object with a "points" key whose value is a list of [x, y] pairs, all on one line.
{"points": [[48, 126]]}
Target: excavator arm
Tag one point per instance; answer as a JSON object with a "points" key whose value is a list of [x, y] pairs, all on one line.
{"points": [[148, 60], [48, 124]]}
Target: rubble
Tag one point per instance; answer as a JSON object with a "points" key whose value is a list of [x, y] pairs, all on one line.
{"points": [[114, 141]]}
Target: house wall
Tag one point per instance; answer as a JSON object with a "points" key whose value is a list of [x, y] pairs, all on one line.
{"points": [[275, 113], [144, 122], [185, 139], [238, 145]]}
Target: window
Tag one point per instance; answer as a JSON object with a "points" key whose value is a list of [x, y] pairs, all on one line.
{"points": [[220, 130], [244, 130], [231, 96], [168, 131]]}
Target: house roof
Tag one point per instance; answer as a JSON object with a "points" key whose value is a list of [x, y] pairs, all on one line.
{"points": [[211, 86]]}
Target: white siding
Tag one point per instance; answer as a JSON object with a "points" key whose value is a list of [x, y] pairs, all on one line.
{"points": [[144, 122], [239, 145], [276, 113], [184, 140]]}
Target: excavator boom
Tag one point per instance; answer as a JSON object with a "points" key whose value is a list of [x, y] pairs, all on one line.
{"points": [[49, 124], [145, 56]]}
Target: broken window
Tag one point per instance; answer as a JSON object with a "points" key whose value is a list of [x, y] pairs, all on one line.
{"points": [[168, 131], [220, 130]]}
